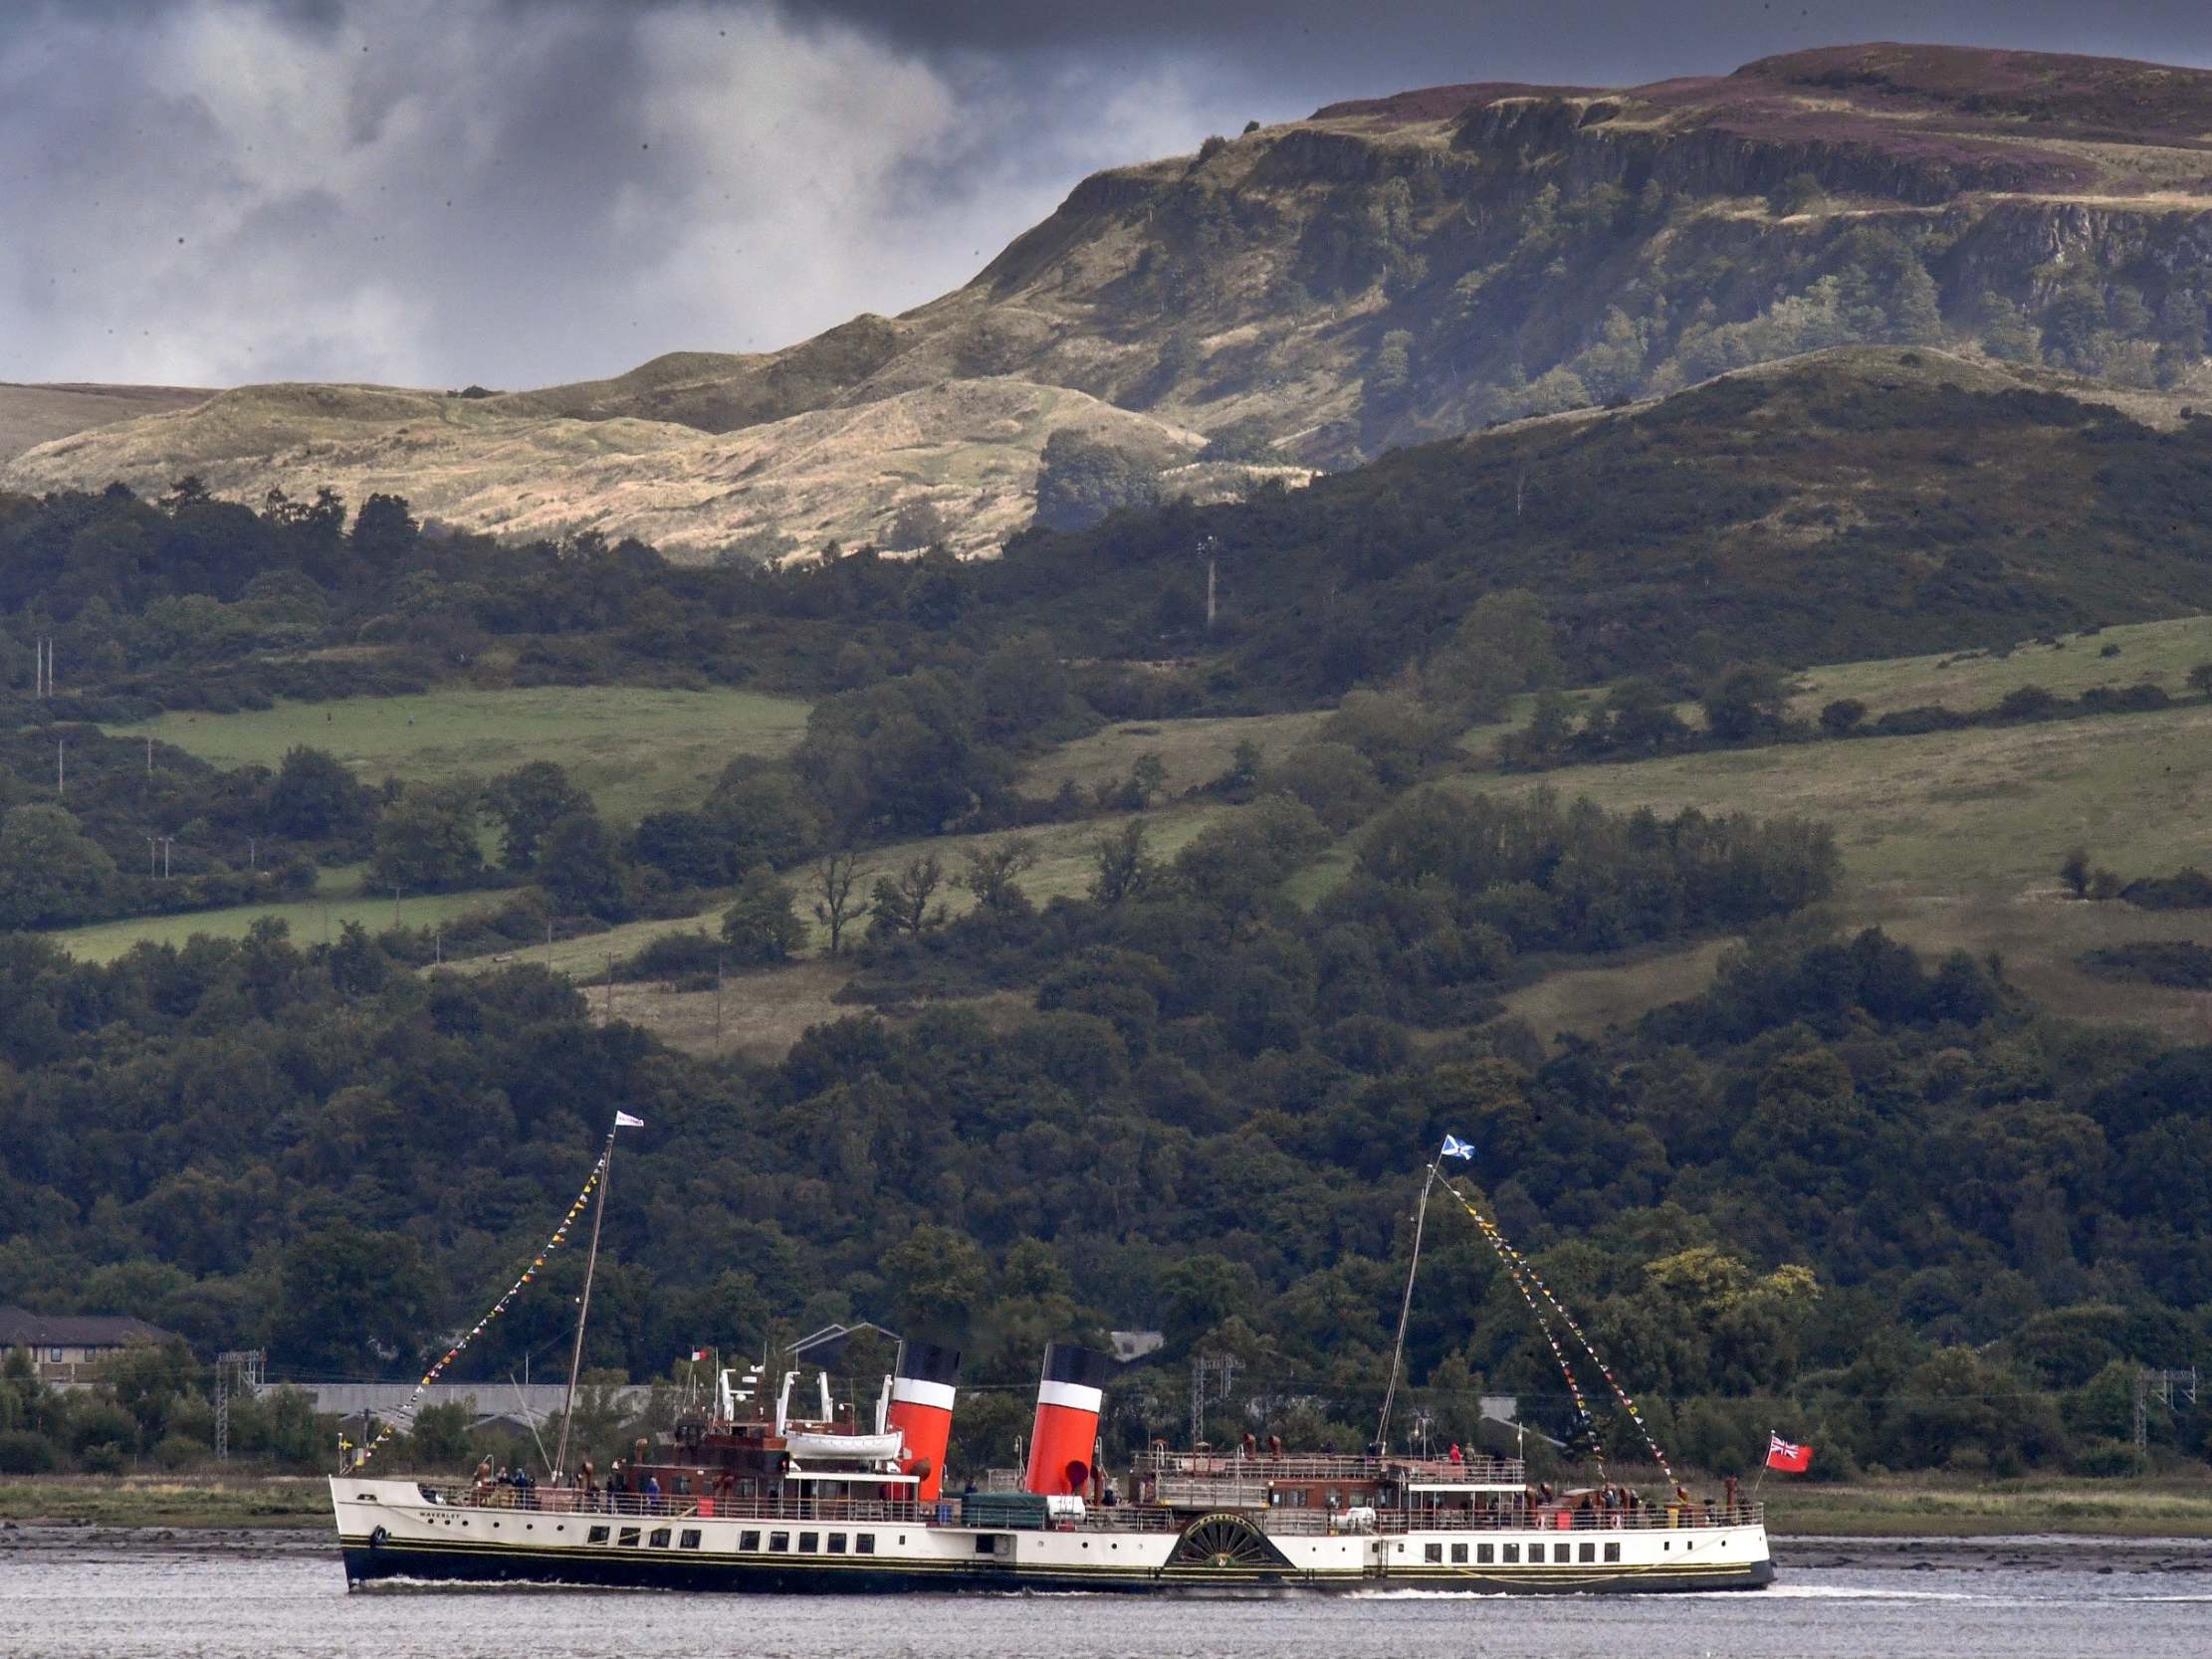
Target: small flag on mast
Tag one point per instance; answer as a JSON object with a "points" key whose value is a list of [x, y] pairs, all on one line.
{"points": [[1789, 1459], [622, 1119], [699, 1354], [1453, 1146]]}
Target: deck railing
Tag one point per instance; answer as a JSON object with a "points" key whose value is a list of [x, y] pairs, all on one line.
{"points": [[567, 1500], [1477, 1470], [1116, 1517]]}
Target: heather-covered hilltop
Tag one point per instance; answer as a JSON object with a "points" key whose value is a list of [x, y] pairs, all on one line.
{"points": [[1384, 271]]}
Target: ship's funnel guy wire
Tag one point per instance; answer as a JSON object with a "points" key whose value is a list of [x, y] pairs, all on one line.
{"points": [[537, 1263], [1525, 1276]]}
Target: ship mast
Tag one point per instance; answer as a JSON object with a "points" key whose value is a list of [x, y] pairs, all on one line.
{"points": [[622, 1119], [1405, 1312]]}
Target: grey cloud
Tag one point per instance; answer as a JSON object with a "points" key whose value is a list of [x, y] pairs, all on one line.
{"points": [[518, 191]]}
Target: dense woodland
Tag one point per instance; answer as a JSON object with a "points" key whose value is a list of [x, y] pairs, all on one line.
{"points": [[1634, 543], [1880, 1197], [1883, 1201]]}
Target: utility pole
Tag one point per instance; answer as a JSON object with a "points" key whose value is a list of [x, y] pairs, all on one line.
{"points": [[153, 844], [1202, 1368], [61, 765], [1206, 546], [168, 842], [245, 1365], [2165, 1381], [149, 757], [253, 852]]}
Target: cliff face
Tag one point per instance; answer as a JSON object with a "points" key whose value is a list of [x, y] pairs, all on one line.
{"points": [[1421, 264]]}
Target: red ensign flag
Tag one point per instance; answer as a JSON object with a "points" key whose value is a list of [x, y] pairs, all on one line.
{"points": [[1791, 1460]]}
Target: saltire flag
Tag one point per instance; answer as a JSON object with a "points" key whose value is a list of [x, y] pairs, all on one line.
{"points": [[1453, 1146], [622, 1119], [1791, 1460]]}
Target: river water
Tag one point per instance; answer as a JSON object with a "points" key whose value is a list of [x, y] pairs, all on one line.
{"points": [[63, 1599]]}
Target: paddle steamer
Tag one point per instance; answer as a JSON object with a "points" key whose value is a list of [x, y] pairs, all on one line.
{"points": [[740, 1496], [774, 1503]]}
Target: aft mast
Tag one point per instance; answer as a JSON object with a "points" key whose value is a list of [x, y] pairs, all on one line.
{"points": [[622, 1120], [1453, 1146]]}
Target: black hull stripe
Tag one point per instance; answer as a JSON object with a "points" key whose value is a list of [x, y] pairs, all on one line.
{"points": [[495, 1563]]}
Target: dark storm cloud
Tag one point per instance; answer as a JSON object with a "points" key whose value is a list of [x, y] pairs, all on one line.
{"points": [[517, 191]]}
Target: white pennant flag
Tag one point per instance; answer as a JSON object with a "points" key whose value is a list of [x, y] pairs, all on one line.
{"points": [[622, 1119]]}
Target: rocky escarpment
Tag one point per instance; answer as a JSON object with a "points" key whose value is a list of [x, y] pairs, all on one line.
{"points": [[1411, 266]]}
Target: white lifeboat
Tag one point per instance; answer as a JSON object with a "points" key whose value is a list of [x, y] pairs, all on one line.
{"points": [[868, 1447]]}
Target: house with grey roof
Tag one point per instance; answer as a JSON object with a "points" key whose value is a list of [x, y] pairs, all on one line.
{"points": [[62, 1347]]}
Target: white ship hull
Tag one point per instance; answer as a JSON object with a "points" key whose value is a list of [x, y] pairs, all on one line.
{"points": [[399, 1530]]}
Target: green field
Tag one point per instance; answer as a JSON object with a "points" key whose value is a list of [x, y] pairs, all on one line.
{"points": [[1195, 751], [635, 749], [1064, 867], [1933, 1506], [2160, 652], [311, 921], [1953, 840], [166, 1501]]}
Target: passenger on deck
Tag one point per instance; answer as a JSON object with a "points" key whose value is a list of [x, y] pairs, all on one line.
{"points": [[653, 1493], [1455, 1454]]}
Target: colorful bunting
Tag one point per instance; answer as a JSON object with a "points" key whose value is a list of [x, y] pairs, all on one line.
{"points": [[1522, 1275], [452, 1354]]}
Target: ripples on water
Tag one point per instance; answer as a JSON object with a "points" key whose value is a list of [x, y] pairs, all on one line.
{"points": [[131, 1604]]}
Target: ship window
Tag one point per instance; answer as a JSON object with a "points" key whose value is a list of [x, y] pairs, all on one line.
{"points": [[1433, 1553], [1486, 1553], [1613, 1551], [1590, 1552], [864, 1544], [836, 1544], [659, 1539], [628, 1535], [1513, 1551], [1458, 1555], [597, 1535], [779, 1541], [749, 1541], [1562, 1552], [983, 1544], [810, 1543], [690, 1540]]}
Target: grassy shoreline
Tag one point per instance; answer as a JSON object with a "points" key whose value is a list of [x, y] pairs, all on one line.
{"points": [[166, 1499], [1927, 1507]]}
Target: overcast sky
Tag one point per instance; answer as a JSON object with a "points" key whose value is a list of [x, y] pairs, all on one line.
{"points": [[516, 192]]}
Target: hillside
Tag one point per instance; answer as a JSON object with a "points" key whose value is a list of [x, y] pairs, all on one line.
{"points": [[968, 448], [1867, 502], [1388, 271], [31, 415]]}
